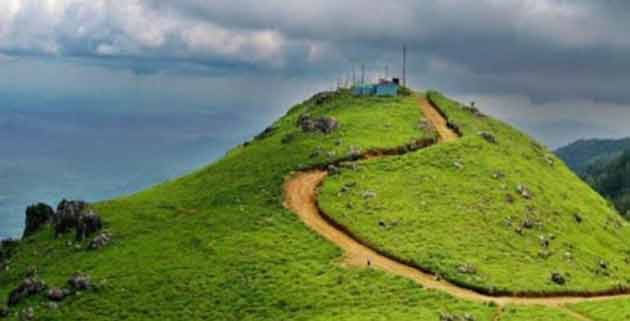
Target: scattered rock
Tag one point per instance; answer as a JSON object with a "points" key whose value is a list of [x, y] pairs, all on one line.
{"points": [[549, 159], [351, 165], [528, 223], [100, 241], [37, 215], [76, 215], [545, 254], [27, 314], [578, 217], [568, 256], [29, 286], [80, 282], [468, 317], [324, 124], [369, 194], [490, 138], [445, 316], [467, 269], [347, 187], [524, 191], [498, 175], [333, 170], [67, 216], [89, 223], [544, 241], [355, 153], [56, 294], [558, 278], [458, 165], [603, 264]]}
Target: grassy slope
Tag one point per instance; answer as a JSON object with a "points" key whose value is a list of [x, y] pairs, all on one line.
{"points": [[613, 310], [218, 245], [517, 313], [443, 217]]}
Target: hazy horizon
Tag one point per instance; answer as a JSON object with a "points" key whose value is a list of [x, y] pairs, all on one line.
{"points": [[93, 156]]}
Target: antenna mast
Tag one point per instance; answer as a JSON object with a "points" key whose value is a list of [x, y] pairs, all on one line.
{"points": [[362, 74], [404, 71]]}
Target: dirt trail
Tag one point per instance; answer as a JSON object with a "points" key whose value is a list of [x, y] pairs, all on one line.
{"points": [[445, 134], [301, 198]]}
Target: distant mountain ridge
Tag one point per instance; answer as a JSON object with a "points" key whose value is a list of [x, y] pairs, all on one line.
{"points": [[605, 165], [582, 153]]}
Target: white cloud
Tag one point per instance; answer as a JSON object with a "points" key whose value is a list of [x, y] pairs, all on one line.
{"points": [[127, 27]]}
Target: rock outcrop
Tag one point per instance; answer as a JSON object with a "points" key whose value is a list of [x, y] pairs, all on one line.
{"points": [[29, 286], [76, 215], [324, 124], [37, 215]]}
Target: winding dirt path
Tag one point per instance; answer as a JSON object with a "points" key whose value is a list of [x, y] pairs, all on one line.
{"points": [[301, 198], [445, 134]]}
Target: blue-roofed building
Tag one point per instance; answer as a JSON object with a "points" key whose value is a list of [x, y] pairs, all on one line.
{"points": [[364, 90], [387, 89], [383, 88]]}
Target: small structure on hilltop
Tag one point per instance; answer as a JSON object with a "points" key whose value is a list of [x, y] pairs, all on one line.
{"points": [[384, 88]]}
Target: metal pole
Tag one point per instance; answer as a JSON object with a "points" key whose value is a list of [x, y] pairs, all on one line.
{"points": [[362, 74], [405, 65]]}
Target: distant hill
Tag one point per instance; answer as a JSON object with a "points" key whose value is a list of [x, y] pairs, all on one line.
{"points": [[605, 165], [580, 154], [611, 177]]}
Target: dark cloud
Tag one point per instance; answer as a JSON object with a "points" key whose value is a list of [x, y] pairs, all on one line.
{"points": [[550, 51]]}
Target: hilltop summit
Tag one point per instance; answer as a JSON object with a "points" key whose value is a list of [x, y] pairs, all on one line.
{"points": [[489, 212]]}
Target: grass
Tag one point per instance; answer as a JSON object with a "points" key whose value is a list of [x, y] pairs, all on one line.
{"points": [[613, 310], [218, 244], [455, 209], [534, 313]]}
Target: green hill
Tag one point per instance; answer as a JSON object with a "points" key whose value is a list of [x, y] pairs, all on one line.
{"points": [[499, 217], [219, 245]]}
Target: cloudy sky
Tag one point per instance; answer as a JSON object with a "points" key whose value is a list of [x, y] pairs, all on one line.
{"points": [[558, 69]]}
